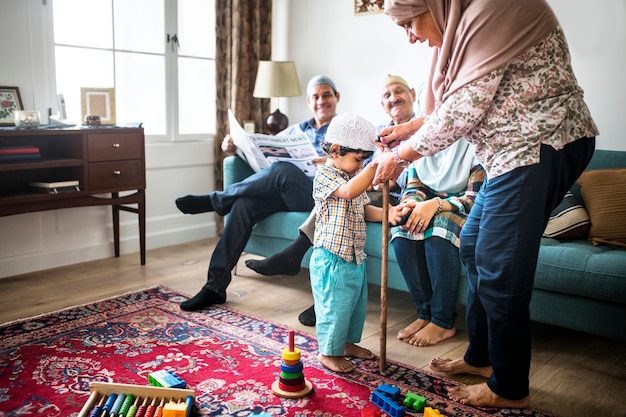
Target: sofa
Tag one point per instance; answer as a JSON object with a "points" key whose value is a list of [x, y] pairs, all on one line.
{"points": [[578, 284]]}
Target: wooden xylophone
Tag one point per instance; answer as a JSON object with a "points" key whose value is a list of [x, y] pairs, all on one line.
{"points": [[126, 400]]}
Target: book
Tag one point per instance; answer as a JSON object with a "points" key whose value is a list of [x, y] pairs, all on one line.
{"points": [[260, 151], [20, 157], [58, 190], [55, 184], [18, 150], [56, 187]]}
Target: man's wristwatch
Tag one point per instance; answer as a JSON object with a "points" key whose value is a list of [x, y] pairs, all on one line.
{"points": [[401, 162]]}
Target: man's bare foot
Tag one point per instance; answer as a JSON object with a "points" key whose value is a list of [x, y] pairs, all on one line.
{"points": [[429, 335], [336, 363], [355, 351], [459, 366], [480, 395], [410, 330]]}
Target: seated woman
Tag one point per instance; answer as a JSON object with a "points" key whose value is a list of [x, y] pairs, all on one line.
{"points": [[441, 190]]}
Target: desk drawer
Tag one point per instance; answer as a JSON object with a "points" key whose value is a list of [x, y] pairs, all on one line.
{"points": [[114, 146], [116, 176]]}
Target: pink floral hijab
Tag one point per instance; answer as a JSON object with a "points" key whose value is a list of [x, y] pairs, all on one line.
{"points": [[478, 37]]}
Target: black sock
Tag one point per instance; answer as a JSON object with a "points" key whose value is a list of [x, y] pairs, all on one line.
{"points": [[307, 317], [285, 262], [204, 298], [194, 204]]}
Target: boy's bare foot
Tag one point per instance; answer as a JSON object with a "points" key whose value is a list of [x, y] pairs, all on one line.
{"points": [[480, 395], [410, 330], [459, 366], [355, 351], [336, 363], [429, 335]]}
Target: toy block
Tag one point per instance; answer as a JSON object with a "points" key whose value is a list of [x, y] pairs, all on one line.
{"points": [[173, 409], [431, 412], [387, 404], [369, 412], [389, 391], [166, 379], [414, 401], [260, 415]]}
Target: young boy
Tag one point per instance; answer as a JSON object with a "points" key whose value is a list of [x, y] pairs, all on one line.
{"points": [[337, 266]]}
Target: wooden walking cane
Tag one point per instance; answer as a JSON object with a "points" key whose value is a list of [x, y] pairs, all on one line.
{"points": [[383, 280]]}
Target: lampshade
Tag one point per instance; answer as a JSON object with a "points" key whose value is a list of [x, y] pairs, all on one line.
{"points": [[276, 79]]}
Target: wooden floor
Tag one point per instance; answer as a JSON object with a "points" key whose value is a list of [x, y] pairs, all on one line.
{"points": [[572, 374]]}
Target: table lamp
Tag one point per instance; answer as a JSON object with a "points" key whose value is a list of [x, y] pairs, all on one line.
{"points": [[276, 79]]}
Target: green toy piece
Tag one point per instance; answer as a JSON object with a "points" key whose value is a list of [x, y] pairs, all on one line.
{"points": [[414, 401]]}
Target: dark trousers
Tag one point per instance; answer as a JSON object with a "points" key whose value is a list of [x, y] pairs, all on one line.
{"points": [[430, 270], [499, 247], [281, 187]]}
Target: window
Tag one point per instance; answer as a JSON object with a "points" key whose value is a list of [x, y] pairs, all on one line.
{"points": [[159, 55]]}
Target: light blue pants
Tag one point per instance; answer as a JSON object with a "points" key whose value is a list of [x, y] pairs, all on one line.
{"points": [[340, 294]]}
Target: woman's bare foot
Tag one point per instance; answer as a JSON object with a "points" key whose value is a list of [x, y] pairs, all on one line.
{"points": [[336, 363], [410, 330], [355, 351], [480, 395], [429, 335], [459, 366]]}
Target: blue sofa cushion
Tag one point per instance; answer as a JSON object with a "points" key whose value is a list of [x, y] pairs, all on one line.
{"points": [[579, 268]]}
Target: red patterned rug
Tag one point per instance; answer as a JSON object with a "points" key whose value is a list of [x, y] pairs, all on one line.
{"points": [[229, 358]]}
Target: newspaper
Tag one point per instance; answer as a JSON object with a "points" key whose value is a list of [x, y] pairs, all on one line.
{"points": [[260, 151]]}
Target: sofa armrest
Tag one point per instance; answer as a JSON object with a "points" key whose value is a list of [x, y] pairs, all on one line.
{"points": [[235, 170]]}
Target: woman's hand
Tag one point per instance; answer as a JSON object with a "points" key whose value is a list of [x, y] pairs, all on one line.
{"points": [[420, 217], [400, 132]]}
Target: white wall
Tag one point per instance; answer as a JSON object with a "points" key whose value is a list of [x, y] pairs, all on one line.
{"points": [[42, 240], [322, 36], [358, 51]]}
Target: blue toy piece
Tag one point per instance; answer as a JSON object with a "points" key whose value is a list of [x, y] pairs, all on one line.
{"points": [[260, 415], [389, 391], [387, 404], [414, 401], [166, 379]]}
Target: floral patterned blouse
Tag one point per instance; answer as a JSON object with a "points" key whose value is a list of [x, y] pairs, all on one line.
{"points": [[508, 114]]}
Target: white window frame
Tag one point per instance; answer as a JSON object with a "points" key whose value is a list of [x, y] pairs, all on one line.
{"points": [[171, 78]]}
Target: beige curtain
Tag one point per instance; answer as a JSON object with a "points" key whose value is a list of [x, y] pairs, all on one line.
{"points": [[243, 38]]}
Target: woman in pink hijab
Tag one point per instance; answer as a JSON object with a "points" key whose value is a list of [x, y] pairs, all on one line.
{"points": [[501, 78]]}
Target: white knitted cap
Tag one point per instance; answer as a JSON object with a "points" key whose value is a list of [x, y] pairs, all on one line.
{"points": [[351, 131]]}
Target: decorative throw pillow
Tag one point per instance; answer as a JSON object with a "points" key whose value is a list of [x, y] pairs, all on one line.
{"points": [[569, 220], [604, 194]]}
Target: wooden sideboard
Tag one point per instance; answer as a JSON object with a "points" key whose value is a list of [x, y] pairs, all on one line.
{"points": [[107, 162]]}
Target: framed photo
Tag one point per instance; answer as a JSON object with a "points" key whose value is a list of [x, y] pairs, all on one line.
{"points": [[10, 100], [368, 6], [98, 102], [249, 127]]}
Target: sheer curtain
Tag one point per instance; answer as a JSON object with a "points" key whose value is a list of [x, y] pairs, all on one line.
{"points": [[243, 37]]}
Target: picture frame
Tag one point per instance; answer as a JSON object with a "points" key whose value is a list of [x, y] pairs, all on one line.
{"points": [[249, 127], [10, 101], [368, 6], [98, 102]]}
